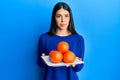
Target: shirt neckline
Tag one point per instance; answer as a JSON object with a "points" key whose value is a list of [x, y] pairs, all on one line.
{"points": [[63, 36]]}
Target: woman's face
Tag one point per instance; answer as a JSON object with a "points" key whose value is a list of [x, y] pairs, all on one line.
{"points": [[62, 18]]}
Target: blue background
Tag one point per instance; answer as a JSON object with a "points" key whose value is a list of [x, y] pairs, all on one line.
{"points": [[22, 22]]}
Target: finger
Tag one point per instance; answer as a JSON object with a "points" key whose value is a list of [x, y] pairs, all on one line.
{"points": [[73, 65], [67, 65], [43, 54], [80, 59]]}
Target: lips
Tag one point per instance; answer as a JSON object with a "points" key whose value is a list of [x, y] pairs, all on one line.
{"points": [[62, 25]]}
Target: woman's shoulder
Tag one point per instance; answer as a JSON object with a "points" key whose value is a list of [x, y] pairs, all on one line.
{"points": [[44, 35], [78, 36]]}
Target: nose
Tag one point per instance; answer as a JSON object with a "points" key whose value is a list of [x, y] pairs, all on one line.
{"points": [[62, 19]]}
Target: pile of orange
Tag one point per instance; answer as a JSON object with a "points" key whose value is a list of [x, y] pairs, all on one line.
{"points": [[62, 54]]}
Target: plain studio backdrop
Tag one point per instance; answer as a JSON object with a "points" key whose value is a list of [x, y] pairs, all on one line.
{"points": [[23, 21]]}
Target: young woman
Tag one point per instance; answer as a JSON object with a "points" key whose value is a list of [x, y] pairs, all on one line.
{"points": [[61, 29]]}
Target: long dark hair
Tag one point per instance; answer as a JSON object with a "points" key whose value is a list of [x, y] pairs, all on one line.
{"points": [[53, 26]]}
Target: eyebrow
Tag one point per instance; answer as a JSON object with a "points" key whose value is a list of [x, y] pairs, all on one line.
{"points": [[64, 14]]}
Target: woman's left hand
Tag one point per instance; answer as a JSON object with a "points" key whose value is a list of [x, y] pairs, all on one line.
{"points": [[68, 65], [73, 65]]}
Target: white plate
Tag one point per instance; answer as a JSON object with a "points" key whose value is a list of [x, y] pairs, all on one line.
{"points": [[49, 63]]}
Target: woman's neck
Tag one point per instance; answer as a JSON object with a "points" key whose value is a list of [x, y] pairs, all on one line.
{"points": [[63, 32]]}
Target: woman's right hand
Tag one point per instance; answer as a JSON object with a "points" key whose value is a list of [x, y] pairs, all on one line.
{"points": [[43, 54]]}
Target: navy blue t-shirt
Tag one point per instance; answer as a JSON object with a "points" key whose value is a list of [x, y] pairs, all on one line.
{"points": [[48, 43]]}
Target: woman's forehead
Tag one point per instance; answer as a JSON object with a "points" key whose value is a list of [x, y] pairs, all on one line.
{"points": [[62, 11]]}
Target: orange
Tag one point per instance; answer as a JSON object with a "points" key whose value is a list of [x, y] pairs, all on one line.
{"points": [[55, 56], [63, 46], [69, 57]]}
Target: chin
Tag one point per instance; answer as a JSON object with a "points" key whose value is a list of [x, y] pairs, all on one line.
{"points": [[63, 28]]}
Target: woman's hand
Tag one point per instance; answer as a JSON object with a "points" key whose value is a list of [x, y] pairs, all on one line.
{"points": [[73, 65], [79, 58], [43, 54], [68, 65]]}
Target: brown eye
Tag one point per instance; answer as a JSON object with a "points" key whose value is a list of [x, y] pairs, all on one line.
{"points": [[66, 15], [57, 16]]}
